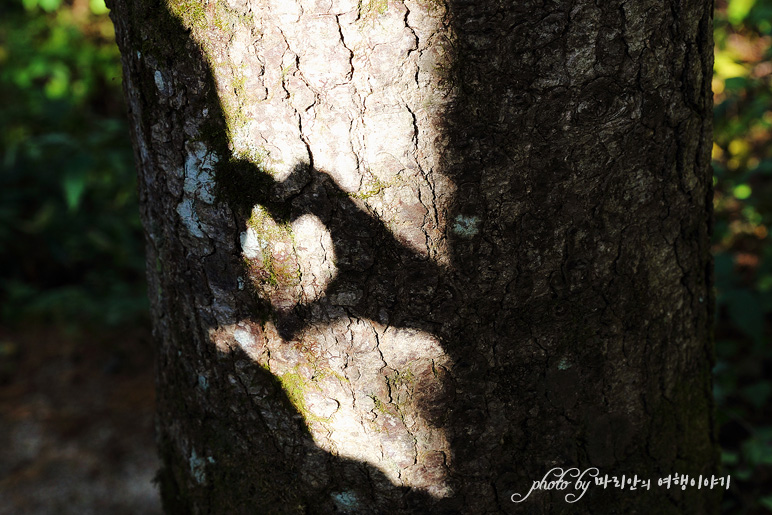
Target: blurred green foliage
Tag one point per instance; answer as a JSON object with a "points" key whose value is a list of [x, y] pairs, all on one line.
{"points": [[70, 234], [742, 161]]}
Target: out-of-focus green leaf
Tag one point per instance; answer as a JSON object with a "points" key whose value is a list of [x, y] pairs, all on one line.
{"points": [[742, 191], [727, 68], [73, 187], [729, 458], [758, 449], [737, 10], [743, 474], [57, 85], [49, 5], [98, 6]]}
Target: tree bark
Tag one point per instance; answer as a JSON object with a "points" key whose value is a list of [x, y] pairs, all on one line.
{"points": [[408, 256]]}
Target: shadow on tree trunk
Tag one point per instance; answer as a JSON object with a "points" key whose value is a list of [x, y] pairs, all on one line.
{"points": [[551, 312]]}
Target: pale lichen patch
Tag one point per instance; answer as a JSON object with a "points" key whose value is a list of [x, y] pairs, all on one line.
{"points": [[466, 226], [251, 246], [189, 217], [198, 466], [159, 81], [346, 502], [199, 172], [203, 383]]}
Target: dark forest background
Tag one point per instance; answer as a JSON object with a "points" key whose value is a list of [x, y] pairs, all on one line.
{"points": [[75, 352]]}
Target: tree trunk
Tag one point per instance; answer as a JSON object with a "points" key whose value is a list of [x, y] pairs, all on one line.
{"points": [[408, 256]]}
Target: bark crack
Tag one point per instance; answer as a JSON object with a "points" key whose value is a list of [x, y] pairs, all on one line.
{"points": [[350, 73]]}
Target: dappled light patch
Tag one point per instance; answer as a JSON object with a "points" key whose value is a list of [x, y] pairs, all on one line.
{"points": [[365, 391]]}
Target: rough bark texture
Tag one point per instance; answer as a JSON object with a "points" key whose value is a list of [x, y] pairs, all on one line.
{"points": [[407, 256]]}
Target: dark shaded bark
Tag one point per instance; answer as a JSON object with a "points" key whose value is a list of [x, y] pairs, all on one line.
{"points": [[527, 287]]}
